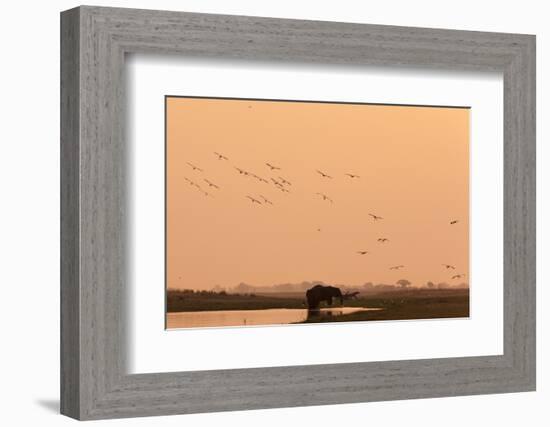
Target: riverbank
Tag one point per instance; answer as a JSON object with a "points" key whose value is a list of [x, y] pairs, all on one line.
{"points": [[181, 301], [409, 305], [395, 305]]}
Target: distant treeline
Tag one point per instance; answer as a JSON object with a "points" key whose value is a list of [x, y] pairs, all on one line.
{"points": [[204, 293], [368, 287]]}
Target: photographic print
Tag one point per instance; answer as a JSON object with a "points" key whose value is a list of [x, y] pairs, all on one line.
{"points": [[289, 212]]}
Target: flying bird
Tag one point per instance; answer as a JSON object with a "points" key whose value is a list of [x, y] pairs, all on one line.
{"points": [[220, 156], [324, 175], [253, 200], [196, 185], [277, 183], [241, 171], [351, 175], [188, 180], [457, 276], [284, 181], [397, 267], [273, 167], [362, 252], [448, 266], [383, 240], [454, 221], [195, 168], [325, 197], [266, 200], [259, 178], [375, 217], [211, 184], [283, 189]]}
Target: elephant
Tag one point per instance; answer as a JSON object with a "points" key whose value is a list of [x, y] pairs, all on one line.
{"points": [[320, 293]]}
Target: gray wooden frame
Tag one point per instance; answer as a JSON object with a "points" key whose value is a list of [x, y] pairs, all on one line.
{"points": [[94, 382]]}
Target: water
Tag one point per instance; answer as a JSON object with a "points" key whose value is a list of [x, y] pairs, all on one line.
{"points": [[275, 316]]}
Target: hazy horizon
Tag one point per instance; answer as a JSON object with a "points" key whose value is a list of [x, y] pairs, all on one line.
{"points": [[281, 287], [413, 171]]}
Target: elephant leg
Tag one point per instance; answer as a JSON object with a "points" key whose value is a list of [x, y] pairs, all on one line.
{"points": [[312, 302]]}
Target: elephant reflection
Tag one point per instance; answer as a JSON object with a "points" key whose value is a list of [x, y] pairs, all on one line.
{"points": [[319, 293]]}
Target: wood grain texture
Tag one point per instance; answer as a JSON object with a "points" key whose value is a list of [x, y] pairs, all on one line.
{"points": [[95, 383], [70, 221]]}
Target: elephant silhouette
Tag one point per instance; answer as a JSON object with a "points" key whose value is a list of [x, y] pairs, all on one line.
{"points": [[319, 293]]}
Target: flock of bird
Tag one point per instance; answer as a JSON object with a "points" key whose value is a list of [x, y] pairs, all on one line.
{"points": [[282, 184], [400, 266]]}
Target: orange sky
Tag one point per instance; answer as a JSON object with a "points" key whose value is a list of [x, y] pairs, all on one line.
{"points": [[413, 164]]}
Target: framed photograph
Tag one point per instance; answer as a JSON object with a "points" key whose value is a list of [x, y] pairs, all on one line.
{"points": [[285, 220], [262, 213]]}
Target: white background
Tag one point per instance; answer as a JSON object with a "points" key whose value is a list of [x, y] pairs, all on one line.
{"points": [[152, 349], [29, 218]]}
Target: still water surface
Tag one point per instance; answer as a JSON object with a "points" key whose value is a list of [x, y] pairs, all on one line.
{"points": [[275, 316]]}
